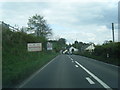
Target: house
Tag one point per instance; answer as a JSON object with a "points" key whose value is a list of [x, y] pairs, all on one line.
{"points": [[72, 49], [90, 48]]}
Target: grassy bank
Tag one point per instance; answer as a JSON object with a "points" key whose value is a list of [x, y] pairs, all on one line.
{"points": [[17, 62]]}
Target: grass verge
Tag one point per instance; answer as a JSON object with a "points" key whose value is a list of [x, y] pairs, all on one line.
{"points": [[114, 61]]}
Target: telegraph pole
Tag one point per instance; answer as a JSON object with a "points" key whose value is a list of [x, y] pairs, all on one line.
{"points": [[113, 31]]}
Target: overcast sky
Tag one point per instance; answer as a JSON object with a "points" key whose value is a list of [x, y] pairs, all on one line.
{"points": [[81, 20]]}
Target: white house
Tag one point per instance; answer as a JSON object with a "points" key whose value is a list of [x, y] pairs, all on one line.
{"points": [[73, 49], [90, 48]]}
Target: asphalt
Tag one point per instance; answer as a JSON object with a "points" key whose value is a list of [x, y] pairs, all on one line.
{"points": [[71, 71]]}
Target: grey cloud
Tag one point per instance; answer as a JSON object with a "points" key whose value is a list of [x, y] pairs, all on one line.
{"points": [[83, 14]]}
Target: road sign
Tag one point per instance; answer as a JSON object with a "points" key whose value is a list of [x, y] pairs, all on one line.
{"points": [[49, 46], [32, 47]]}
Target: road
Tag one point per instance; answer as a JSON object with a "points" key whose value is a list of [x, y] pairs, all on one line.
{"points": [[72, 71]]}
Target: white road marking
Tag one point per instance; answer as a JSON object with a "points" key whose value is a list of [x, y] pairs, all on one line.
{"points": [[90, 81], [70, 57], [27, 80], [76, 65], [95, 77]]}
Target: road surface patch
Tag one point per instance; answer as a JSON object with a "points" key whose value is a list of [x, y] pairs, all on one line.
{"points": [[31, 77], [90, 81]]}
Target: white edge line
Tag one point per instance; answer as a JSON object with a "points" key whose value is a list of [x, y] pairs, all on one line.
{"points": [[30, 78], [90, 81], [95, 77]]}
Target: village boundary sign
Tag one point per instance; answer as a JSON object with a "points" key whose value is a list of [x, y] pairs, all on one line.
{"points": [[32, 47]]}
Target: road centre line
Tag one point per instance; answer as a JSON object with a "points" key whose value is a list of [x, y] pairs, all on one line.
{"points": [[76, 65], [90, 81], [32, 76], [70, 58], [95, 77]]}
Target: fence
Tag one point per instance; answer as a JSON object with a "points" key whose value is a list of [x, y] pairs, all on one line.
{"points": [[4, 25]]}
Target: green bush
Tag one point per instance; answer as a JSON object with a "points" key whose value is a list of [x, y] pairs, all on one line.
{"points": [[101, 51]]}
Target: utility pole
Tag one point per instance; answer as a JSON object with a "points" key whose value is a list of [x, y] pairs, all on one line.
{"points": [[113, 31]]}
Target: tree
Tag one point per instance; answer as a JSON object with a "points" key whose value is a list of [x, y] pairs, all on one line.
{"points": [[62, 41], [39, 25], [76, 42], [23, 29]]}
